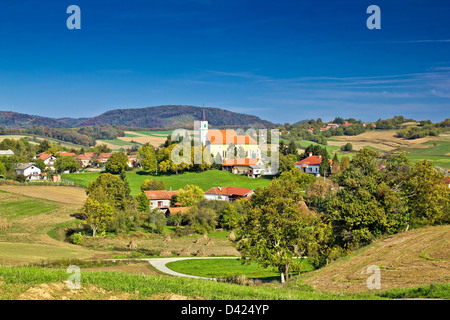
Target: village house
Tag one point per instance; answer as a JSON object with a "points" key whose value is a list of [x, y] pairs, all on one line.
{"points": [[132, 161], [311, 164], [160, 198], [30, 171], [103, 157], [240, 166], [48, 159], [228, 193], [6, 153], [85, 159]]}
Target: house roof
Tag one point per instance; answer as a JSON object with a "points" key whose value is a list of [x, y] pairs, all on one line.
{"points": [[85, 156], [257, 166], [160, 194], [311, 161], [6, 152], [229, 191], [44, 156], [67, 154], [240, 162], [175, 210], [25, 166], [222, 137], [105, 155]]}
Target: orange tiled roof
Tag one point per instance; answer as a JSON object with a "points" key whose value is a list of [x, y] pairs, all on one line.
{"points": [[160, 194], [229, 191], [311, 161], [175, 210], [44, 156], [228, 137], [240, 162]]}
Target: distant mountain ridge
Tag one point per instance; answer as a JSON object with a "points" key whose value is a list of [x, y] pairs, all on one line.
{"points": [[169, 116]]}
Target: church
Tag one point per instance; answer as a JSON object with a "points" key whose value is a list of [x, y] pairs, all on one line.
{"points": [[225, 143]]}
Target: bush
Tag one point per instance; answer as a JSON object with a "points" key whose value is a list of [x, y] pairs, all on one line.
{"points": [[77, 238], [347, 147], [21, 178]]}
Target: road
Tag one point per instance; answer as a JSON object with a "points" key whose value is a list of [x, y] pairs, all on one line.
{"points": [[160, 264]]}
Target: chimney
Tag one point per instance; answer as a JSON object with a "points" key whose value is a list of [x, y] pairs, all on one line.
{"points": [[310, 154]]}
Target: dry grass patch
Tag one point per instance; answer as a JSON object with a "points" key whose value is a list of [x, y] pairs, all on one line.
{"points": [[60, 291], [409, 259], [380, 139], [70, 195], [143, 139], [134, 268]]}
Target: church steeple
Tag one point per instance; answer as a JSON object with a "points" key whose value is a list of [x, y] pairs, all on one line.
{"points": [[203, 116], [203, 128]]}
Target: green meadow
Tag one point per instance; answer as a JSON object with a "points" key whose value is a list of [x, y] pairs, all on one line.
{"points": [[439, 154], [226, 268], [205, 180]]}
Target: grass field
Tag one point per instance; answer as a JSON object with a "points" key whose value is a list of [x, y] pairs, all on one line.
{"points": [[26, 240], [406, 260], [224, 268], [16, 282], [439, 154], [205, 180]]}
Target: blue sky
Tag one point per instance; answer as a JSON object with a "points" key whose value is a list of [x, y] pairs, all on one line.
{"points": [[284, 61]]}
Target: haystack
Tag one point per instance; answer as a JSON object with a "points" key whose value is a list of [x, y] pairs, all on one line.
{"points": [[165, 253], [202, 239], [185, 252], [201, 253], [132, 245]]}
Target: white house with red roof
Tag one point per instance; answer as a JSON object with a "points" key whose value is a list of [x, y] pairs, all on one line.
{"points": [[48, 159], [228, 193], [30, 171], [311, 164], [160, 198], [240, 165]]}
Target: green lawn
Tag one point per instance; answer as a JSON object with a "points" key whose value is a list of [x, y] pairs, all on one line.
{"points": [[224, 268], [439, 154], [205, 180], [26, 206]]}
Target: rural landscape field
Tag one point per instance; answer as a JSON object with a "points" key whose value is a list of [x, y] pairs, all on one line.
{"points": [[216, 159]]}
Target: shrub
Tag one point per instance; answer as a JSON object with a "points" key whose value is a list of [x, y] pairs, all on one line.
{"points": [[347, 147], [77, 238], [21, 178]]}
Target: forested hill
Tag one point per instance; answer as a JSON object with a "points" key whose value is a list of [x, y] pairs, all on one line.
{"points": [[9, 119], [174, 116], [170, 116]]}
